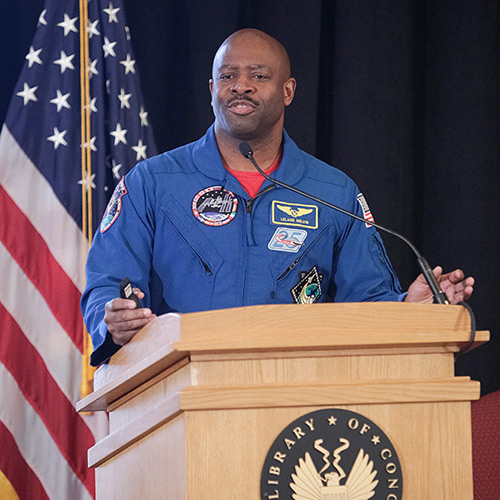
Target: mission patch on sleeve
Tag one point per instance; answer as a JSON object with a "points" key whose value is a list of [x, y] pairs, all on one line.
{"points": [[114, 206]]}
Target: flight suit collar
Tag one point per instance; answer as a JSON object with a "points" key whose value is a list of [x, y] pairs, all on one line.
{"points": [[207, 160]]}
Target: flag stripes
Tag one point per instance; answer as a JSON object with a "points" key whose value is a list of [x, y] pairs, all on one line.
{"points": [[24, 183], [22, 478], [41, 239], [38, 387], [31, 313], [36, 445], [41, 268]]}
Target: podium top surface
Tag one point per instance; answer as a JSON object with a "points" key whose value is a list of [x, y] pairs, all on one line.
{"points": [[280, 328], [319, 325]]}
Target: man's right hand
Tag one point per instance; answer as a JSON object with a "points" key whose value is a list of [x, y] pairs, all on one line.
{"points": [[124, 320]]}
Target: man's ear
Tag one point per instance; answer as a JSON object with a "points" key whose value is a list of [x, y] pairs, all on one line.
{"points": [[211, 85], [289, 90]]}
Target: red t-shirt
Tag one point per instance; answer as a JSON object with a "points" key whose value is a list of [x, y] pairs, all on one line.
{"points": [[252, 181]]}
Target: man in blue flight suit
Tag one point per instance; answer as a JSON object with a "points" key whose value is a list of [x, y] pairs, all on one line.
{"points": [[198, 228]]}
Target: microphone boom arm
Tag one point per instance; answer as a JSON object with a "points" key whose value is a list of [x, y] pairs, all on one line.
{"points": [[439, 296]]}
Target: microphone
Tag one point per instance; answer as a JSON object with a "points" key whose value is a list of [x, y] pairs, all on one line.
{"points": [[439, 296]]}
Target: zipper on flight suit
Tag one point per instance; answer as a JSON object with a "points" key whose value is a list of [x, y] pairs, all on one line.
{"points": [[206, 266], [297, 260], [249, 203], [208, 271], [290, 267], [249, 231], [248, 212]]}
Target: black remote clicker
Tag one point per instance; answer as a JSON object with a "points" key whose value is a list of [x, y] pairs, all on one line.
{"points": [[126, 292]]}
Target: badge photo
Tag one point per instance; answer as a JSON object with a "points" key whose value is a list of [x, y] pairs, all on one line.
{"points": [[215, 206]]}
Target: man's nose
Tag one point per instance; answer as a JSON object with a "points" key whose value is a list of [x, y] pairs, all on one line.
{"points": [[242, 86]]}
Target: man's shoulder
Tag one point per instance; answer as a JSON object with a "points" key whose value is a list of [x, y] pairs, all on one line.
{"points": [[176, 160], [183, 159], [317, 170], [324, 172]]}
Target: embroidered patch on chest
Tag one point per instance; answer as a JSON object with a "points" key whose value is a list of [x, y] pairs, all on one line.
{"points": [[215, 206], [287, 239], [114, 206], [367, 213], [308, 289], [294, 214]]}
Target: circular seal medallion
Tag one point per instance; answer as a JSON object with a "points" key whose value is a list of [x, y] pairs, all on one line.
{"points": [[215, 206], [332, 454]]}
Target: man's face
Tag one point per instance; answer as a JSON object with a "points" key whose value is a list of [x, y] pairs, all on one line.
{"points": [[250, 88]]}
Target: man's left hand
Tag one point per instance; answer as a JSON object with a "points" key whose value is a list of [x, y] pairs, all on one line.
{"points": [[455, 285]]}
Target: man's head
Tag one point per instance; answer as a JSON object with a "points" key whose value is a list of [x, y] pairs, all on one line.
{"points": [[250, 86]]}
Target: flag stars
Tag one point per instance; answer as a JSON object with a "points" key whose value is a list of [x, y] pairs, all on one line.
{"points": [[92, 106], [92, 68], [124, 98], [140, 150], [88, 181], [92, 28], [129, 65], [111, 12], [68, 25], [61, 101], [116, 169], [119, 135], [143, 115], [41, 19], [28, 94], [58, 138], [92, 144], [33, 57], [65, 61], [108, 47]]}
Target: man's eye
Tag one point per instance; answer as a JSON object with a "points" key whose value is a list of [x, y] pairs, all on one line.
{"points": [[225, 77], [260, 77]]}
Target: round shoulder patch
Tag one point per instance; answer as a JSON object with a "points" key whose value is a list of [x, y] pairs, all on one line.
{"points": [[215, 206], [114, 206], [332, 454]]}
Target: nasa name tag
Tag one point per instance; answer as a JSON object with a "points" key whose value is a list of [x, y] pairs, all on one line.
{"points": [[294, 214], [286, 239]]}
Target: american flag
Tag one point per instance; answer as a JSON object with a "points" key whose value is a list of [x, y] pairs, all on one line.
{"points": [[42, 246]]}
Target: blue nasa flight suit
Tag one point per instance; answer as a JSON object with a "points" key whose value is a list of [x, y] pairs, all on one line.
{"points": [[278, 247]]}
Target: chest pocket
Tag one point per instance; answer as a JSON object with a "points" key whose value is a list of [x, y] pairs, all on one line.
{"points": [[197, 246]]}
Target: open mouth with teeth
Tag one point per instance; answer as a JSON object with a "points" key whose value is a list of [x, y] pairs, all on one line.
{"points": [[241, 107]]}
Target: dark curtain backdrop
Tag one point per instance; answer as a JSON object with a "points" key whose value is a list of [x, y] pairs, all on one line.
{"points": [[402, 95]]}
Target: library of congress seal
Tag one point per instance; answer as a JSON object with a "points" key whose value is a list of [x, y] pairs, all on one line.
{"points": [[332, 454]]}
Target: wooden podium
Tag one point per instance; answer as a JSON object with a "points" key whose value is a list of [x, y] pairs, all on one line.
{"points": [[196, 400]]}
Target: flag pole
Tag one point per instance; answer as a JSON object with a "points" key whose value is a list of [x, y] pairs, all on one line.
{"points": [[87, 371]]}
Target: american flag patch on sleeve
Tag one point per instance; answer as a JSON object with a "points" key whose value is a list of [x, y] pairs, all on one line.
{"points": [[367, 214]]}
